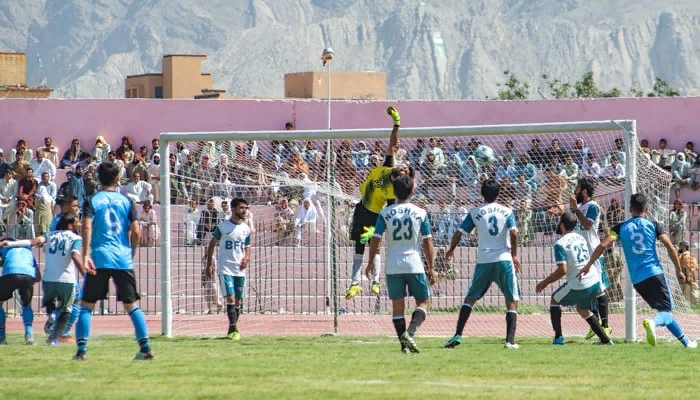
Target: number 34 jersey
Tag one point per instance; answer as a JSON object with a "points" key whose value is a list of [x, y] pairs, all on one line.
{"points": [[493, 223], [234, 239], [572, 250], [406, 225], [60, 246]]}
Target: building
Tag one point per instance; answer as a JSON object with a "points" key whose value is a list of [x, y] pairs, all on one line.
{"points": [[345, 85], [181, 78], [13, 78]]}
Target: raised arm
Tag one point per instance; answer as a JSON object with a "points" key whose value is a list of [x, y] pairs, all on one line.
{"points": [[394, 138], [607, 242]]}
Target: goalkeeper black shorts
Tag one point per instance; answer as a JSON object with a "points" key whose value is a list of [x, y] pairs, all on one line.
{"points": [[361, 218]]}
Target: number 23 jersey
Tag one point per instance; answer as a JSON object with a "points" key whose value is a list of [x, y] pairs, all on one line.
{"points": [[234, 239], [406, 225], [493, 223]]}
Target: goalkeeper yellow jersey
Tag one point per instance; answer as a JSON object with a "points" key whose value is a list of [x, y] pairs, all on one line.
{"points": [[377, 188]]}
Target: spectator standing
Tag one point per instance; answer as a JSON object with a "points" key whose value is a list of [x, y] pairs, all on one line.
{"points": [[681, 174], [8, 196], [181, 152], [27, 188], [663, 156], [209, 218], [40, 165], [154, 174], [192, 217], [305, 219], [45, 202], [77, 186], [644, 145], [50, 152], [101, 150], [208, 178], [190, 175], [26, 152], [678, 219], [149, 225], [284, 220], [155, 149], [23, 222], [689, 267], [73, 155], [91, 185], [125, 152], [112, 158], [224, 189], [65, 188]]}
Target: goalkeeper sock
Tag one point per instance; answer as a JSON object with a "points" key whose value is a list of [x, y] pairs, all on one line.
{"points": [[595, 312], [595, 326], [377, 268], [357, 268], [28, 319], [603, 309], [555, 314], [399, 325], [464, 314], [511, 323], [417, 318], [231, 313]]}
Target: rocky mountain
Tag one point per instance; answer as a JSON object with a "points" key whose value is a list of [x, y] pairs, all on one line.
{"points": [[431, 49]]}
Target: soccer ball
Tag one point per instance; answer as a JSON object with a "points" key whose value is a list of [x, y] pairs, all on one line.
{"points": [[484, 155]]}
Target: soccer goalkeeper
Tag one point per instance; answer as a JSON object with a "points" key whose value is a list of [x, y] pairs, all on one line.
{"points": [[377, 190]]}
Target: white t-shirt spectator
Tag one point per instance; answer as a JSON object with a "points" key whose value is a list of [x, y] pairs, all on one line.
{"points": [[44, 166], [592, 170], [139, 191]]}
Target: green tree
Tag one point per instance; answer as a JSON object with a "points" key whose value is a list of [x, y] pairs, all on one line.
{"points": [[557, 88], [662, 89], [634, 92], [512, 89]]}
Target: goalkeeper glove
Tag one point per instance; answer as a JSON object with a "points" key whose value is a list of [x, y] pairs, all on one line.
{"points": [[365, 237], [394, 115]]}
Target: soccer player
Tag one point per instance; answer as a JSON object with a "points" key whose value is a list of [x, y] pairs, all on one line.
{"points": [[497, 260], [638, 236], [110, 219], [63, 250], [587, 212], [571, 254], [19, 272], [376, 192], [409, 230], [233, 260]]}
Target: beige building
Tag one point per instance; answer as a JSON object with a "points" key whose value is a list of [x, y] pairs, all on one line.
{"points": [[344, 85], [13, 78], [182, 78]]}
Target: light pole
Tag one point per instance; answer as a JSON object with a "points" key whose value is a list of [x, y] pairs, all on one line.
{"points": [[327, 57]]}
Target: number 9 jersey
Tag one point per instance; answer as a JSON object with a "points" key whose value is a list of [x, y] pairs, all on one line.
{"points": [[406, 226], [112, 214]]}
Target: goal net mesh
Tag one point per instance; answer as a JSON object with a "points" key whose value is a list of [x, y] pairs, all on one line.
{"points": [[302, 194]]}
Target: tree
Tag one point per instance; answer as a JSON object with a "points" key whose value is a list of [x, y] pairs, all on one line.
{"points": [[663, 89], [512, 89], [558, 89]]}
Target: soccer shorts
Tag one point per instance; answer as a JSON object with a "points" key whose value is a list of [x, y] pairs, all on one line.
{"points": [[501, 272], [61, 292], [417, 285], [581, 298], [24, 284], [655, 292], [361, 218], [96, 287], [232, 285]]}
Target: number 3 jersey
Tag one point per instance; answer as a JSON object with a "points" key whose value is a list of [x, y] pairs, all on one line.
{"points": [[493, 223], [572, 250], [406, 225], [233, 239], [638, 237], [59, 247]]}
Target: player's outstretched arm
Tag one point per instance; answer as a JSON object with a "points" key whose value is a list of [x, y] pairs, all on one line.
{"points": [[210, 257], [429, 252], [673, 254], [553, 277], [394, 138], [456, 238], [373, 251]]}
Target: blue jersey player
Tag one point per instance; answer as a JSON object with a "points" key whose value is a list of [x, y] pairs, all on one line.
{"points": [[19, 272], [109, 221], [638, 236]]}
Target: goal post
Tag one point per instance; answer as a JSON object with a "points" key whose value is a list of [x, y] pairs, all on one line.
{"points": [[298, 274]]}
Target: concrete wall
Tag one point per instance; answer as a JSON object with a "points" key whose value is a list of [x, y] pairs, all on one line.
{"points": [[676, 119], [13, 69], [145, 84], [345, 85]]}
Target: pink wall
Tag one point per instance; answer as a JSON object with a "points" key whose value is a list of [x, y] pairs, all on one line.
{"points": [[676, 119]]}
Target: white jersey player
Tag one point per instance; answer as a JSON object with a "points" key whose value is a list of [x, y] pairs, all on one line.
{"points": [[233, 235], [587, 212], [571, 255], [408, 230], [497, 260]]}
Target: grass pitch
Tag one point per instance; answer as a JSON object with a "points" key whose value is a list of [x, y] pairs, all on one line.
{"points": [[348, 368]]}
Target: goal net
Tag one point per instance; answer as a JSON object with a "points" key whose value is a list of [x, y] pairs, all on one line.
{"points": [[302, 187]]}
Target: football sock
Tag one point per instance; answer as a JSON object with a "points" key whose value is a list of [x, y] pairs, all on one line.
{"points": [[231, 313], [239, 311], [60, 324], [82, 329], [357, 268], [417, 318], [2, 323], [595, 326], [141, 329], [663, 318], [511, 323], [603, 309], [399, 325], [75, 313], [595, 311], [377, 268], [464, 314], [28, 319], [555, 314]]}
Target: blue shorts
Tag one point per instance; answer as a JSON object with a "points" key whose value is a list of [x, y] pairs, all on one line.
{"points": [[581, 298], [232, 285], [501, 272], [417, 285], [655, 292]]}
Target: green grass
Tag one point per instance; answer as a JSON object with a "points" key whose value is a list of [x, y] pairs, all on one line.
{"points": [[348, 368]]}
